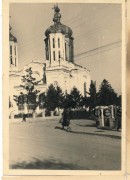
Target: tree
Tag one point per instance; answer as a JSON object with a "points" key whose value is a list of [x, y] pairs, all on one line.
{"points": [[85, 101], [20, 100], [60, 97], [106, 94], [73, 100], [119, 100], [92, 100], [54, 98], [29, 84]]}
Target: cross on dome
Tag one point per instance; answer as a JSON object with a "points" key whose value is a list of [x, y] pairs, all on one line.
{"points": [[10, 28], [58, 27], [57, 15]]}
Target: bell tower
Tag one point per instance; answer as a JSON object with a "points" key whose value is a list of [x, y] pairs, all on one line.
{"points": [[13, 49], [58, 41]]}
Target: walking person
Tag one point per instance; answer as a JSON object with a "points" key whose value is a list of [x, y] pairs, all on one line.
{"points": [[24, 117], [25, 113], [66, 119]]}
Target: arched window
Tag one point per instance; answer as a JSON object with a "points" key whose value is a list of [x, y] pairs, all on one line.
{"points": [[21, 101], [55, 84], [85, 89], [42, 100], [31, 101]]}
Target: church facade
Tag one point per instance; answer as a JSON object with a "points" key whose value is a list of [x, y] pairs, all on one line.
{"points": [[59, 68]]}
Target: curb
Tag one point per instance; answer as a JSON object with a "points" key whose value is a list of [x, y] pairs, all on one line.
{"points": [[95, 134]]}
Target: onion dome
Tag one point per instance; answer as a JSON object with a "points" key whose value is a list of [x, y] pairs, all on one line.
{"points": [[11, 37], [58, 27]]}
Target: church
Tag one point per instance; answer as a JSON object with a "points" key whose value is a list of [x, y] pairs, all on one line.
{"points": [[58, 68]]}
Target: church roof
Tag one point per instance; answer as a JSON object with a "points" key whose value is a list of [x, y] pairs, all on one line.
{"points": [[58, 27], [11, 37]]}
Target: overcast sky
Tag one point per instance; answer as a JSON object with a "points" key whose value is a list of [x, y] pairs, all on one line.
{"points": [[96, 31]]}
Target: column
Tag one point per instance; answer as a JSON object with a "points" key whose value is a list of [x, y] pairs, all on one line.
{"points": [[102, 118], [43, 112]]}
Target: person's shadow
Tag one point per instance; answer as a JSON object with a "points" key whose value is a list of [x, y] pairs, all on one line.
{"points": [[68, 129], [60, 128]]}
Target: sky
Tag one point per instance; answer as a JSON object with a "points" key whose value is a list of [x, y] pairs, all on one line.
{"points": [[96, 31]]}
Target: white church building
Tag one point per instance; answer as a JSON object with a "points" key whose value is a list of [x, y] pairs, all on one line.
{"points": [[59, 68]]}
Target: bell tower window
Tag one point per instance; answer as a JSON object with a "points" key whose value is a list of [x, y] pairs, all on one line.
{"points": [[10, 50], [54, 58], [11, 61], [53, 43], [58, 43], [59, 54], [58, 38], [65, 51], [13, 56]]}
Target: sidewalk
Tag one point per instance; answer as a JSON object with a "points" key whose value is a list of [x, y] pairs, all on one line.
{"points": [[82, 126], [89, 127], [35, 120]]}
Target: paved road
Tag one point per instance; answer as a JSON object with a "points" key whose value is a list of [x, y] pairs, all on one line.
{"points": [[40, 145]]}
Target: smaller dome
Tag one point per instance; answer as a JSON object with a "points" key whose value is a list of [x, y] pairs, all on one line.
{"points": [[12, 38]]}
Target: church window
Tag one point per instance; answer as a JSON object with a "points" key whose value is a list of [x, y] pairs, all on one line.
{"points": [[54, 58], [59, 54], [11, 50], [55, 84], [42, 100], [53, 43], [85, 89], [58, 43]]}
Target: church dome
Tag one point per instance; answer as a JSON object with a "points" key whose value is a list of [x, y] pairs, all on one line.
{"points": [[11, 37], [58, 27]]}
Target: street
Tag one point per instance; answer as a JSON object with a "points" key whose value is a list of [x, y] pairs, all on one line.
{"points": [[44, 145]]}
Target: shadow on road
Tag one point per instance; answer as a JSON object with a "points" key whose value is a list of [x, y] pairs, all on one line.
{"points": [[87, 125], [46, 164]]}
